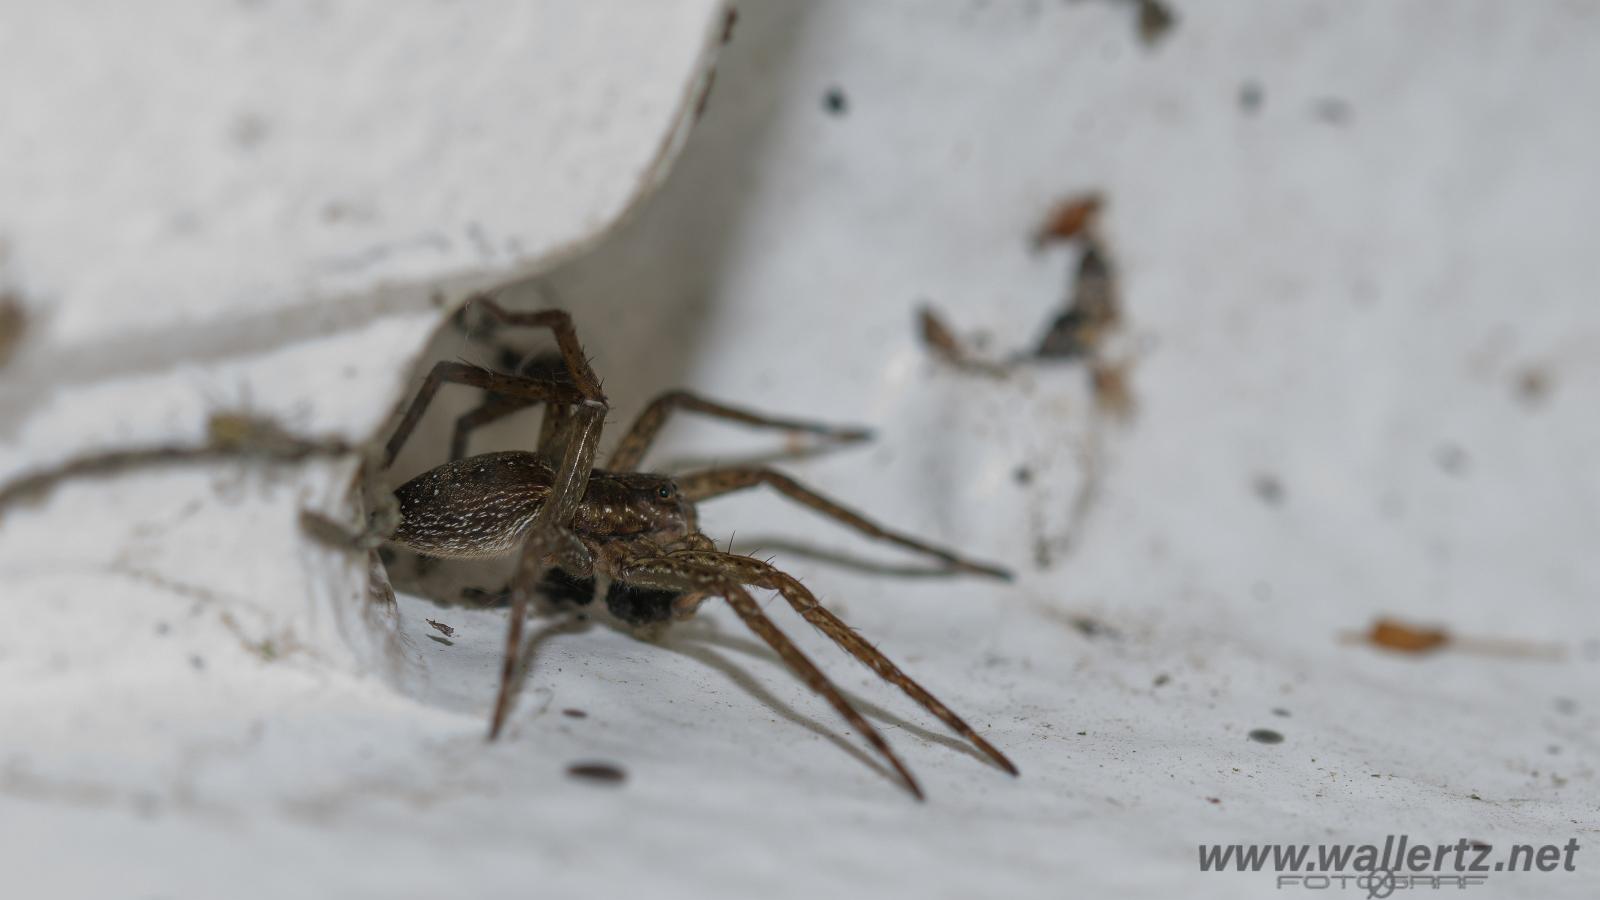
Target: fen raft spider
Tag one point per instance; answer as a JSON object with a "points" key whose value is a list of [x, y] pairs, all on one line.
{"points": [[569, 522]]}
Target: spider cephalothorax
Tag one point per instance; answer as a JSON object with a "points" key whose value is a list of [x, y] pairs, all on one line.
{"points": [[570, 523]]}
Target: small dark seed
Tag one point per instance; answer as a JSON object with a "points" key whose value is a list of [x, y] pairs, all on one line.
{"points": [[598, 771], [835, 102]]}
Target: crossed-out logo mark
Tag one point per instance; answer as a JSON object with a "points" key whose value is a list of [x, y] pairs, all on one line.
{"points": [[1399, 863]]}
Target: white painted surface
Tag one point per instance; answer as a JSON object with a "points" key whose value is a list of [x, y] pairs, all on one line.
{"points": [[1344, 307]]}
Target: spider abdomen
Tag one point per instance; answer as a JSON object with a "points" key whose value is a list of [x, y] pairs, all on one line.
{"points": [[475, 507]]}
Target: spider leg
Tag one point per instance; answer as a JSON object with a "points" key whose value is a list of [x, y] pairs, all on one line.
{"points": [[759, 574], [548, 537], [679, 574], [577, 384], [631, 449], [709, 483], [543, 367], [571, 448], [767, 630], [518, 387], [559, 323], [492, 409]]}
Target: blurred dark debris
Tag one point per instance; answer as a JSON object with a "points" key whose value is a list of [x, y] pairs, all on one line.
{"points": [[835, 102], [1080, 331], [1156, 21], [1268, 488], [1417, 640], [945, 345], [1089, 626], [705, 94], [599, 772], [248, 130], [1452, 459], [1112, 394], [442, 628], [572, 713], [1161, 680], [13, 321], [1266, 736], [1094, 309], [1332, 110], [1251, 97], [728, 21], [1532, 384], [229, 435], [327, 531]]}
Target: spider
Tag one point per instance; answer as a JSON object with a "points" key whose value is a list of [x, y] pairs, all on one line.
{"points": [[570, 523]]}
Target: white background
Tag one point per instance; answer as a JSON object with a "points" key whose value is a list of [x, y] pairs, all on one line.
{"points": [[1345, 307]]}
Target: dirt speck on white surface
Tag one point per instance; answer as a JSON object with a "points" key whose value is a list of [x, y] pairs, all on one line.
{"points": [[1359, 297]]}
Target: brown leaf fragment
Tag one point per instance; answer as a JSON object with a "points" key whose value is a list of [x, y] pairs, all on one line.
{"points": [[1070, 218], [1113, 394], [945, 345], [1392, 634]]}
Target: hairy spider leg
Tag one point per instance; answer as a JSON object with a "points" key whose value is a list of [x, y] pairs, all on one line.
{"points": [[519, 386], [583, 386], [547, 368], [755, 573], [549, 539], [707, 484], [572, 452], [642, 433], [681, 574]]}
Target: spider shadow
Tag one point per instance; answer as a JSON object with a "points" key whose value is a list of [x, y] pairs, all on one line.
{"points": [[562, 623], [644, 296], [699, 640], [761, 546]]}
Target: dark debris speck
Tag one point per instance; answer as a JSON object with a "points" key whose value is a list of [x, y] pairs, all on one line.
{"points": [[600, 772], [1266, 736], [1533, 385], [1156, 21], [1332, 111], [1451, 458], [1269, 489], [1251, 97], [835, 102]]}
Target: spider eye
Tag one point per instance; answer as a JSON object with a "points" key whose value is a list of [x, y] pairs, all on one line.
{"points": [[665, 492]]}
